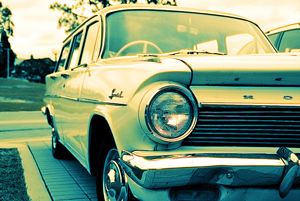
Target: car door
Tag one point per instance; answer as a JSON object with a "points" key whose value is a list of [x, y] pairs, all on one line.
{"points": [[73, 78], [90, 52], [80, 59], [55, 82]]}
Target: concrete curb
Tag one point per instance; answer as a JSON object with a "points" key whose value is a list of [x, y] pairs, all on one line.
{"points": [[36, 188]]}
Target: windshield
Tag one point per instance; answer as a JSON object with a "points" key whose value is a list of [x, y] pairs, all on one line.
{"points": [[153, 32]]}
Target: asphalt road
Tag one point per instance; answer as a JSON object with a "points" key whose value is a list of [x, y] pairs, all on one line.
{"points": [[23, 126]]}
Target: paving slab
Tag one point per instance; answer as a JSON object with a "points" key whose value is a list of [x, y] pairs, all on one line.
{"points": [[65, 179]]}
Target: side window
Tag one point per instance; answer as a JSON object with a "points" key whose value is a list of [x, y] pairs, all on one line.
{"points": [[290, 40], [63, 58], [211, 46], [235, 43], [75, 51], [89, 44], [274, 37]]}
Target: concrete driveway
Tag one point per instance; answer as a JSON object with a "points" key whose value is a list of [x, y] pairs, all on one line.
{"points": [[47, 178], [20, 126]]}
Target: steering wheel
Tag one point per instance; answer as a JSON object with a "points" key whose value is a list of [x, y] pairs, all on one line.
{"points": [[145, 42]]}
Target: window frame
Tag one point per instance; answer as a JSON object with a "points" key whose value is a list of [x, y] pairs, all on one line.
{"points": [[282, 37], [67, 66], [277, 41], [91, 22], [66, 44], [70, 40]]}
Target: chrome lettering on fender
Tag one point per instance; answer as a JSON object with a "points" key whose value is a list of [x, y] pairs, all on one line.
{"points": [[287, 97], [248, 97], [113, 94]]}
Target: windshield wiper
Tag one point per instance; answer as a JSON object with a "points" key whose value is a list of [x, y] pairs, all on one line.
{"points": [[194, 52], [184, 52]]}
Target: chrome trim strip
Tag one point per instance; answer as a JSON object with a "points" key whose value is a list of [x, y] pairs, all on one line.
{"points": [[248, 104], [93, 101], [161, 162], [69, 98], [49, 95], [101, 102]]}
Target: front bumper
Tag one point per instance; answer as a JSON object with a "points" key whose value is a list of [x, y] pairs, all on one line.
{"points": [[236, 170]]}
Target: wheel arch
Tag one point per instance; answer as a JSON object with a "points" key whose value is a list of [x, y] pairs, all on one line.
{"points": [[49, 117], [100, 136]]}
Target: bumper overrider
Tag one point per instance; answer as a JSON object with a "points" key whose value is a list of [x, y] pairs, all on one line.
{"points": [[236, 170]]}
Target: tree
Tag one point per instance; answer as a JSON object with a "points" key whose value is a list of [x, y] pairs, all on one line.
{"points": [[34, 70], [73, 16], [5, 22], [6, 30]]}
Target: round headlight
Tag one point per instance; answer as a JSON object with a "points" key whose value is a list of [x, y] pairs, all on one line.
{"points": [[170, 115]]}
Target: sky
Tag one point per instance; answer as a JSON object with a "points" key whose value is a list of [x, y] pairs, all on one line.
{"points": [[36, 26]]}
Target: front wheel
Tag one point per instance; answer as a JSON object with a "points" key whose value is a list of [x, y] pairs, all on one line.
{"points": [[111, 180]]}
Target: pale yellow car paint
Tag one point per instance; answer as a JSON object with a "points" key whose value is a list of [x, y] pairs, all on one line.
{"points": [[124, 85]]}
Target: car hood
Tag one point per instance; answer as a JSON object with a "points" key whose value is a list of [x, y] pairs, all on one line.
{"points": [[245, 70]]}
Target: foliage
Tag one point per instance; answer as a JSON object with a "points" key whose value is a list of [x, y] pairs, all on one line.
{"points": [[6, 30], [71, 18], [5, 22], [34, 70], [3, 58], [12, 181]]}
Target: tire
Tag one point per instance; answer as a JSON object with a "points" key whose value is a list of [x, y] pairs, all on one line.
{"points": [[111, 182], [58, 150]]}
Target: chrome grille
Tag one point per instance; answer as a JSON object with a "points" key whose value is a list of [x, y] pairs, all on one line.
{"points": [[246, 126]]}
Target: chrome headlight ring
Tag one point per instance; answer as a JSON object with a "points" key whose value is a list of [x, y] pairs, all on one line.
{"points": [[170, 114]]}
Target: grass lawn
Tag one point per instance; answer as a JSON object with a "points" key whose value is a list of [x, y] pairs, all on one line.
{"points": [[20, 95], [12, 181]]}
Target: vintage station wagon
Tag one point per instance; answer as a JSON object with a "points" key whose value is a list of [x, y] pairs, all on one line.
{"points": [[175, 104]]}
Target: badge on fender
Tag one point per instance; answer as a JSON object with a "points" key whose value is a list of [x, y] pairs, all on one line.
{"points": [[113, 94]]}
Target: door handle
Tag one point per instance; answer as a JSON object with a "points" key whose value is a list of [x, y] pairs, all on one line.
{"points": [[81, 65], [65, 76], [53, 77]]}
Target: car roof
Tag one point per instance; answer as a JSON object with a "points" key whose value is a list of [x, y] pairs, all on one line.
{"points": [[123, 7], [120, 7], [284, 28]]}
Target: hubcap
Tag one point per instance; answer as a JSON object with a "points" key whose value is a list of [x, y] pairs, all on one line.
{"points": [[115, 187]]}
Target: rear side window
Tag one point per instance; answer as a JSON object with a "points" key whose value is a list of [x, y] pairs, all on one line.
{"points": [[290, 40], [63, 58], [75, 51]]}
